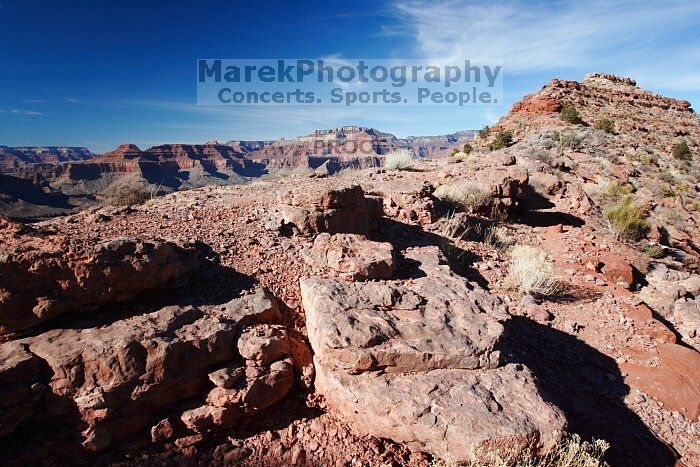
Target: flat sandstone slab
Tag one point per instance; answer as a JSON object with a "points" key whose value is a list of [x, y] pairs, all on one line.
{"points": [[415, 361]]}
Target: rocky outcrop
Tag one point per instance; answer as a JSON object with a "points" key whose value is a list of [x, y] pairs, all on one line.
{"points": [[110, 382], [417, 362], [675, 295], [43, 275], [649, 117], [412, 206], [351, 256], [264, 377], [344, 209]]}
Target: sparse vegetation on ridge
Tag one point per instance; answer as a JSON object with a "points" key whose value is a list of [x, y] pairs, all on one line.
{"points": [[484, 132], [502, 140], [569, 114], [126, 192]]}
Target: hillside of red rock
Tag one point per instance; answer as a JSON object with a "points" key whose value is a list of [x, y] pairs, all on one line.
{"points": [[472, 309]]}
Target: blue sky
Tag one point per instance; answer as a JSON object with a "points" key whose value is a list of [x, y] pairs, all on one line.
{"points": [[97, 74]]}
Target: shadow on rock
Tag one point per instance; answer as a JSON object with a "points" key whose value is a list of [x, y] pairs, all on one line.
{"points": [[588, 387], [550, 218], [403, 236], [572, 293]]}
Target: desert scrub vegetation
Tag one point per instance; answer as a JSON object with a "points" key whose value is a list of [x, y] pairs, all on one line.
{"points": [[467, 196], [652, 250], [627, 221], [401, 159], [484, 132], [531, 271], [681, 151], [605, 190], [605, 124], [569, 114], [502, 140], [126, 192], [571, 451], [498, 237]]}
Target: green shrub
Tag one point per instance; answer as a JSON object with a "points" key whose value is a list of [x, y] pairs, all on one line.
{"points": [[605, 124], [681, 151], [484, 132], [570, 114], [626, 220], [668, 192], [467, 149], [615, 190], [502, 140], [126, 192], [652, 250], [454, 151]]}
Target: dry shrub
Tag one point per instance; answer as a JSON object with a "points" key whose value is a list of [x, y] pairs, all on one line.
{"points": [[126, 192], [498, 237], [531, 271], [466, 196], [401, 159], [571, 451]]}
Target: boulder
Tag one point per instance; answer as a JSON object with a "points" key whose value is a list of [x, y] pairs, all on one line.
{"points": [[43, 275], [352, 256], [686, 314], [413, 207], [263, 344], [617, 270], [111, 381], [334, 210], [417, 362]]}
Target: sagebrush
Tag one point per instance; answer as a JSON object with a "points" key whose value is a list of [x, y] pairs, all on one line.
{"points": [[626, 220], [605, 124]]}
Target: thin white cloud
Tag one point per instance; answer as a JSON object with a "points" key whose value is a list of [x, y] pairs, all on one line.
{"points": [[25, 112], [72, 100], [623, 36]]}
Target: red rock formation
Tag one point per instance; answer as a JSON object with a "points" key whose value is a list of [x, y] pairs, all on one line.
{"points": [[44, 275]]}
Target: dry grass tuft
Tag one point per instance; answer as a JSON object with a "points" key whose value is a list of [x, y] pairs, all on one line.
{"points": [[401, 159], [466, 196], [498, 237], [571, 451], [531, 271]]}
